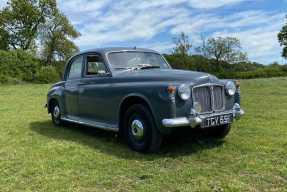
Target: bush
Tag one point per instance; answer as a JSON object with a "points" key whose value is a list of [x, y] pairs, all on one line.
{"points": [[3, 79], [46, 74], [18, 65], [9, 80]]}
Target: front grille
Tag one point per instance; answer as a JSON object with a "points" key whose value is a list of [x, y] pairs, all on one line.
{"points": [[211, 98], [202, 95], [218, 93]]}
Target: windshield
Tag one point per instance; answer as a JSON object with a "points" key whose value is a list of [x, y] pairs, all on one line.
{"points": [[136, 60]]}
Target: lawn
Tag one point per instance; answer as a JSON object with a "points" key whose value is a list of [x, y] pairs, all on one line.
{"points": [[36, 156]]}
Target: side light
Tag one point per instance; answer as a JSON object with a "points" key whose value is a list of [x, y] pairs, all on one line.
{"points": [[237, 83], [171, 89]]}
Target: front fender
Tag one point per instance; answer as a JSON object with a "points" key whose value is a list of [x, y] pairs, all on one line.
{"points": [[158, 101], [56, 93]]}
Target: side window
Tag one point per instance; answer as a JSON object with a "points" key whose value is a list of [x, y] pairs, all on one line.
{"points": [[95, 65], [76, 68]]}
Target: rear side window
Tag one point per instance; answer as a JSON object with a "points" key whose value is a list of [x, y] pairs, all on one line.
{"points": [[76, 68], [95, 65]]}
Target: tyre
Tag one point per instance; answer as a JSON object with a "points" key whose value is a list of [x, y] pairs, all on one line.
{"points": [[140, 131], [56, 114], [219, 132]]}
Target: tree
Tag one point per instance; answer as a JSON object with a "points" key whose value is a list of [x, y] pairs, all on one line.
{"points": [[21, 20], [182, 47], [202, 49], [222, 49], [56, 34], [4, 40], [282, 37]]}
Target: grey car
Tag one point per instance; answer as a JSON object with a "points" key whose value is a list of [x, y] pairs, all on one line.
{"points": [[136, 93]]}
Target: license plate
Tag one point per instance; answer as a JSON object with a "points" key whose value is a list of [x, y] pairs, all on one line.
{"points": [[217, 120]]}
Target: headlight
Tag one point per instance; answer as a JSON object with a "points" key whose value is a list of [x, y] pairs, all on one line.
{"points": [[230, 88], [184, 92]]}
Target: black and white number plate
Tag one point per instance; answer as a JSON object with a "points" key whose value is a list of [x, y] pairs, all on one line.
{"points": [[217, 120]]}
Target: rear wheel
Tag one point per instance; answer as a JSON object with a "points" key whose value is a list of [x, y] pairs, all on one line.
{"points": [[140, 131], [56, 114]]}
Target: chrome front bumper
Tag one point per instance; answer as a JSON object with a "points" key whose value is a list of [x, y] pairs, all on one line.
{"points": [[196, 120]]}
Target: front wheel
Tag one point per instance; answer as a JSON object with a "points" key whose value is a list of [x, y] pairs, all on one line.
{"points": [[56, 114], [141, 133]]}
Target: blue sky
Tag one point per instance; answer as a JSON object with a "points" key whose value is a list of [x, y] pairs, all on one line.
{"points": [[154, 23]]}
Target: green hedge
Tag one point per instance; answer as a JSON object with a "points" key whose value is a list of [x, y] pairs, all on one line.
{"points": [[244, 70], [20, 66], [259, 73], [46, 74]]}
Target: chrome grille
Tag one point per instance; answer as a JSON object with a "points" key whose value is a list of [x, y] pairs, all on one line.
{"points": [[210, 97], [202, 95], [218, 92]]}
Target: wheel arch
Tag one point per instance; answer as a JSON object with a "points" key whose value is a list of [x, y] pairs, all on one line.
{"points": [[50, 103], [55, 95], [131, 100]]}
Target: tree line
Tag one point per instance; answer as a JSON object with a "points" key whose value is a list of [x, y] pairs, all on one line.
{"points": [[224, 57], [36, 39]]}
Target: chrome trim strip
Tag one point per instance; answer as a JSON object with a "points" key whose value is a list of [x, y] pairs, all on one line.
{"points": [[176, 122], [104, 126]]}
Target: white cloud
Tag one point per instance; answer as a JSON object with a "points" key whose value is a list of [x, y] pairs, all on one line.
{"points": [[117, 25], [152, 24], [257, 31], [143, 21], [261, 43], [210, 4]]}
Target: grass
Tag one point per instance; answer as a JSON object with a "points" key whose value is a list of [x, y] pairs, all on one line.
{"points": [[36, 156]]}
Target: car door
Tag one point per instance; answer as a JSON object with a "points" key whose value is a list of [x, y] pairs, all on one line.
{"points": [[95, 89], [73, 78]]}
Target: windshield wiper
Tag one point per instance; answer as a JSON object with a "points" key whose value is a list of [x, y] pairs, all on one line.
{"points": [[138, 67], [150, 67], [147, 66]]}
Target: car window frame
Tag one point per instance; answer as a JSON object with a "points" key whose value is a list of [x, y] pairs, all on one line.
{"points": [[68, 68], [108, 71]]}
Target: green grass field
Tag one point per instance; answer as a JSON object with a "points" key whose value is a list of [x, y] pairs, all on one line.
{"points": [[36, 156]]}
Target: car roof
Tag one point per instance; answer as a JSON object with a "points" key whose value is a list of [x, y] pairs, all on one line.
{"points": [[112, 49]]}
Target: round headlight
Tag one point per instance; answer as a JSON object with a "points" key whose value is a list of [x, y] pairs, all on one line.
{"points": [[184, 92], [230, 88]]}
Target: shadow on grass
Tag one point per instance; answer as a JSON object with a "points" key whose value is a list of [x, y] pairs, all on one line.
{"points": [[183, 142]]}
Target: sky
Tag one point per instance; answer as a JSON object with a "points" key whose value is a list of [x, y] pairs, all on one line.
{"points": [[154, 23]]}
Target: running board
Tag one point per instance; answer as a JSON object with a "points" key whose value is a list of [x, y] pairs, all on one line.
{"points": [[104, 126]]}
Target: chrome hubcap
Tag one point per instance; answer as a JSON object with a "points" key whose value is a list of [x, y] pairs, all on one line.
{"points": [[56, 112], [137, 129]]}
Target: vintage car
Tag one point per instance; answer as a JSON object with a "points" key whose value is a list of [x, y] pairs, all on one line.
{"points": [[136, 93]]}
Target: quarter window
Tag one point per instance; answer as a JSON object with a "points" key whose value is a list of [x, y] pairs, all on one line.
{"points": [[95, 65], [76, 68]]}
